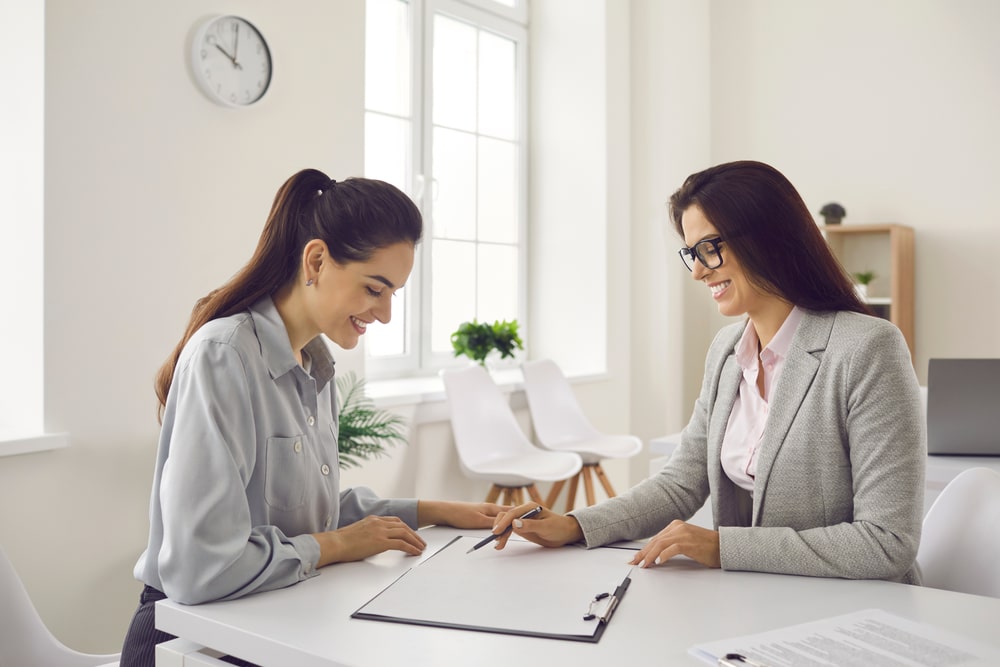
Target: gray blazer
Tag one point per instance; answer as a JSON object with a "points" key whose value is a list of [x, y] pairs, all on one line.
{"points": [[840, 472]]}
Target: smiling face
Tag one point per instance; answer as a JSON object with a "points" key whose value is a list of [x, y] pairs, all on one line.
{"points": [[349, 297], [733, 293]]}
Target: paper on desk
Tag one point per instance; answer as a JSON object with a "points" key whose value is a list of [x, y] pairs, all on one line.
{"points": [[868, 638], [523, 589]]}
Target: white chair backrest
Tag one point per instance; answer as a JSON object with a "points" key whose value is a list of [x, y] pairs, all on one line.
{"points": [[24, 639], [555, 412], [960, 545], [482, 420]]}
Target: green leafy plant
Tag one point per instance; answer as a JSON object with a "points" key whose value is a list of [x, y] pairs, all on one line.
{"points": [[864, 277], [477, 339], [365, 432]]}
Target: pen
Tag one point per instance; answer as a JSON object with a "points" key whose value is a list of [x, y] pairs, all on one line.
{"points": [[737, 660], [487, 540]]}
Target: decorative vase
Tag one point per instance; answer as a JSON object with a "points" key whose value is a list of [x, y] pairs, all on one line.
{"points": [[862, 291]]}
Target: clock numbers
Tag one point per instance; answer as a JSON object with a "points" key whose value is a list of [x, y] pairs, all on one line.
{"points": [[233, 61]]}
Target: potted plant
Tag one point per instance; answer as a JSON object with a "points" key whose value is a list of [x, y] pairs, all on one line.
{"points": [[862, 280], [476, 340], [833, 213], [365, 432]]}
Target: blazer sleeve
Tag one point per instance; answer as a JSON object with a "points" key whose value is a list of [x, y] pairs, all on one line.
{"points": [[680, 488]]}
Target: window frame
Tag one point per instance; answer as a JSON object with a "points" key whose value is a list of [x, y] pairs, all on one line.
{"points": [[510, 23]]}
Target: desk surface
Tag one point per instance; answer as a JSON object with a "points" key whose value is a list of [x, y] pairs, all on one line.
{"points": [[667, 610]]}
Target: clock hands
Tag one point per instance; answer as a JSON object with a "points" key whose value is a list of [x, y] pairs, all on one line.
{"points": [[236, 43]]}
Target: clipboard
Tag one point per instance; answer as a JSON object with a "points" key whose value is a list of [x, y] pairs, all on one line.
{"points": [[527, 590]]}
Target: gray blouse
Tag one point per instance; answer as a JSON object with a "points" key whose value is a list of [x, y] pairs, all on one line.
{"points": [[247, 465]]}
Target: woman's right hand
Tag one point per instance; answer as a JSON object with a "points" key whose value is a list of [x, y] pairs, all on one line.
{"points": [[367, 537], [548, 529]]}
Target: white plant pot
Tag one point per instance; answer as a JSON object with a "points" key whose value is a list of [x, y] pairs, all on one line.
{"points": [[862, 291]]}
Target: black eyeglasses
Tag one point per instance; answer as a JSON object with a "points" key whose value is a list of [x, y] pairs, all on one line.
{"points": [[706, 251]]}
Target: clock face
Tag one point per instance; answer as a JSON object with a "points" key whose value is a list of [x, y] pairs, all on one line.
{"points": [[231, 61]]}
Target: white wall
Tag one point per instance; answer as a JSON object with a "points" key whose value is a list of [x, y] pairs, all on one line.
{"points": [[154, 196]]}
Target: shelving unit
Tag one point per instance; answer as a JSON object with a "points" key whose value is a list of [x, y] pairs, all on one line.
{"points": [[886, 249]]}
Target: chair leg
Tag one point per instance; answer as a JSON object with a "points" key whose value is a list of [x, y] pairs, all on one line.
{"points": [[608, 489], [554, 493], [571, 496], [494, 493], [588, 483], [535, 495], [506, 495], [519, 495]]}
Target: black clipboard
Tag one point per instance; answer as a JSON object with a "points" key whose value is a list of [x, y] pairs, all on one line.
{"points": [[453, 589]]}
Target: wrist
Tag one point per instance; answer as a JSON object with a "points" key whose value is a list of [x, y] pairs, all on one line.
{"points": [[431, 512]]}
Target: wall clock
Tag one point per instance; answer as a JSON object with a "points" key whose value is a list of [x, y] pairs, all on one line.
{"points": [[230, 61]]}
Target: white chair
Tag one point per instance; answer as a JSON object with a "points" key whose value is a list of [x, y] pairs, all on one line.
{"points": [[491, 444], [960, 547], [24, 639], [561, 426]]}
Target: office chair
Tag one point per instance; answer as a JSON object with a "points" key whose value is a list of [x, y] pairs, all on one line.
{"points": [[491, 444], [960, 546], [561, 426], [24, 639]]}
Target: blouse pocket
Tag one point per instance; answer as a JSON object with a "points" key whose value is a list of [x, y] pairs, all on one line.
{"points": [[285, 477]]}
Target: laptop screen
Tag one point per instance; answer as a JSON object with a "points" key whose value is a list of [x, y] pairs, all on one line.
{"points": [[963, 406]]}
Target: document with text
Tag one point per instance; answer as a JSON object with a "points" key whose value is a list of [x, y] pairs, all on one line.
{"points": [[869, 638]]}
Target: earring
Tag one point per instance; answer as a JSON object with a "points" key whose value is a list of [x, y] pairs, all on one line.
{"points": [[309, 282]]}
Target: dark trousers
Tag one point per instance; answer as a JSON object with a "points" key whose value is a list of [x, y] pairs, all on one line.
{"points": [[142, 637]]}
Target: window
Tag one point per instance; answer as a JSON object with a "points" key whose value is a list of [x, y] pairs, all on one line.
{"points": [[445, 120]]}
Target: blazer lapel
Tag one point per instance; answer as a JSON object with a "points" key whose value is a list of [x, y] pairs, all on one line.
{"points": [[797, 375]]}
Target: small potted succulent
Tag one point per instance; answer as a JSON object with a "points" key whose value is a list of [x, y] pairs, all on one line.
{"points": [[833, 213], [861, 281], [365, 432], [476, 340]]}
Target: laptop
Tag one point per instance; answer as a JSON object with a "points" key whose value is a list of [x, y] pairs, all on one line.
{"points": [[963, 407]]}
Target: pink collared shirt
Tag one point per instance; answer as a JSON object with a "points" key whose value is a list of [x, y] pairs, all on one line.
{"points": [[749, 415]]}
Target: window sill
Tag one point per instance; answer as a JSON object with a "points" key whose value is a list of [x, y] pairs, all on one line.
{"points": [[10, 446]]}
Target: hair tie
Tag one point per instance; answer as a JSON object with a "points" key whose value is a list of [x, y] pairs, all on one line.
{"points": [[329, 186]]}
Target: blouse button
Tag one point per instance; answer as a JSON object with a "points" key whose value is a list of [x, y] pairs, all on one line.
{"points": [[325, 469], [298, 446], [311, 420]]}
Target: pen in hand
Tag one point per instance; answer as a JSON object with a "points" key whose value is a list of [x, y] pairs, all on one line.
{"points": [[486, 540]]}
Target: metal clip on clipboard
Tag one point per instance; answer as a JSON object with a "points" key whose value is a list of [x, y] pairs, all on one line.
{"points": [[612, 602]]}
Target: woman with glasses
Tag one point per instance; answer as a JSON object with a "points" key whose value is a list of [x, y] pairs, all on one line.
{"points": [[807, 434]]}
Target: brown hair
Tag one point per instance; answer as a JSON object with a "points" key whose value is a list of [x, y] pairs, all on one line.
{"points": [[354, 218], [767, 226]]}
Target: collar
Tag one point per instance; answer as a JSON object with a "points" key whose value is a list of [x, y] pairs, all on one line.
{"points": [[276, 349], [746, 347]]}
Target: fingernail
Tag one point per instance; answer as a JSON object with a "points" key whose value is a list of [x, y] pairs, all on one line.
{"points": [[642, 563], [518, 523], [657, 561]]}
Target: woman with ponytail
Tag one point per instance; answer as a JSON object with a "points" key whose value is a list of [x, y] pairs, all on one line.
{"points": [[246, 492]]}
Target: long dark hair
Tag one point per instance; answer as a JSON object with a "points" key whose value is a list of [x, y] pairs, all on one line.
{"points": [[354, 218], [766, 225]]}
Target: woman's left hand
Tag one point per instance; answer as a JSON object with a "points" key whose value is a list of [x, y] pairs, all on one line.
{"points": [[458, 515], [681, 538]]}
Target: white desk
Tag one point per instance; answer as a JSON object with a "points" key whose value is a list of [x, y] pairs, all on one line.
{"points": [[666, 611]]}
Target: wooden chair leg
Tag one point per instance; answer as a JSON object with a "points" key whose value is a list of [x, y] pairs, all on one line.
{"points": [[550, 502], [494, 493], [571, 496], [535, 495], [588, 483], [506, 495], [518, 495], [608, 489]]}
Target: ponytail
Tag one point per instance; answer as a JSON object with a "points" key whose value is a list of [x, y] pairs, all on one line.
{"points": [[354, 218]]}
